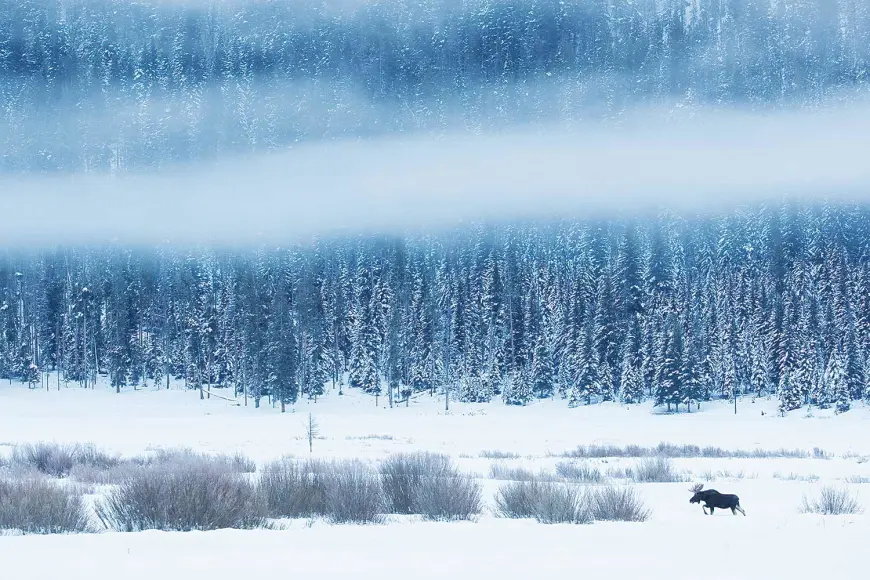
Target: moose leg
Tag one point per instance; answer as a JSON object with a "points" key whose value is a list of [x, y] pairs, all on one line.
{"points": [[711, 510], [740, 509], [703, 507]]}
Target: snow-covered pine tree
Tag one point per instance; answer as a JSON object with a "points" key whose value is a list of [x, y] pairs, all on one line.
{"points": [[364, 352], [543, 379], [669, 390], [631, 384], [691, 391], [788, 393], [518, 388], [281, 360], [587, 381], [836, 382], [607, 386], [759, 374]]}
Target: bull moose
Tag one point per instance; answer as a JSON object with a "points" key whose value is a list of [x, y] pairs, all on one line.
{"points": [[713, 499]]}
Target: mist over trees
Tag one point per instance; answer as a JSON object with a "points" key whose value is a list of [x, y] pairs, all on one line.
{"points": [[91, 85], [767, 301]]}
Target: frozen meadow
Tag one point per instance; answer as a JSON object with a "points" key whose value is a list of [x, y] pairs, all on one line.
{"points": [[494, 443], [412, 193]]}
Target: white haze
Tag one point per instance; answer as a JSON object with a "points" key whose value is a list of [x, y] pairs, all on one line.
{"points": [[694, 162]]}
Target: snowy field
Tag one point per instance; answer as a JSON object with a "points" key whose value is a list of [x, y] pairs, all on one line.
{"points": [[775, 540]]}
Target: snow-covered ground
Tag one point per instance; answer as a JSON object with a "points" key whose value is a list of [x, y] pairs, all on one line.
{"points": [[795, 548], [351, 425], [773, 541]]}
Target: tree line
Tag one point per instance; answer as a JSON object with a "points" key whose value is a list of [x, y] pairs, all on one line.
{"points": [[771, 300], [110, 85]]}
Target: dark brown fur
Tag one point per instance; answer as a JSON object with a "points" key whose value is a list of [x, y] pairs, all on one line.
{"points": [[713, 499]]}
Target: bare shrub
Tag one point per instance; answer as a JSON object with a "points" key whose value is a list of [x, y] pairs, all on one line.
{"points": [[710, 475], [496, 454], [819, 453], [48, 458], [403, 474], [579, 472], [606, 451], [343, 491], [654, 470], [857, 479], [238, 463], [792, 476], [453, 496], [182, 496], [370, 437], [293, 489], [92, 456], [562, 504], [687, 451], [617, 504], [57, 460], [97, 476], [38, 506], [353, 493], [430, 485], [831, 501], [518, 499], [547, 502], [619, 472], [503, 472]]}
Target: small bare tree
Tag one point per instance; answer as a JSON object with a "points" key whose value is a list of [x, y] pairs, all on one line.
{"points": [[312, 431]]}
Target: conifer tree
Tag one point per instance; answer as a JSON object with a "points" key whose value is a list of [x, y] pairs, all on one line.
{"points": [[788, 393], [542, 371], [836, 384], [631, 384]]}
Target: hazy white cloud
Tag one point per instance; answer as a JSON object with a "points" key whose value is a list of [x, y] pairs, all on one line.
{"points": [[695, 162]]}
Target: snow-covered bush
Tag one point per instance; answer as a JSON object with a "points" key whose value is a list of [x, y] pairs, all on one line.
{"points": [[182, 496], [402, 475], [655, 470], [430, 485], [562, 504], [831, 501], [579, 472], [342, 491], [35, 505], [353, 493], [552, 503], [57, 460], [506, 473], [617, 504], [547, 502], [291, 488], [452, 496], [237, 462]]}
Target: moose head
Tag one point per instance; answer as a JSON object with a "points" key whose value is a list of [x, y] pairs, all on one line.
{"points": [[696, 490]]}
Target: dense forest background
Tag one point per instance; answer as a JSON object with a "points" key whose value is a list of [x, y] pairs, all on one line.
{"points": [[90, 85], [768, 300]]}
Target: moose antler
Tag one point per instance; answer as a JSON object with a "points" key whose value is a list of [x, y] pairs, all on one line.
{"points": [[696, 488]]}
